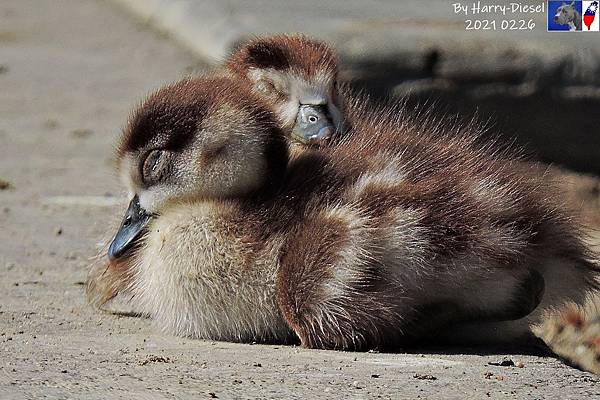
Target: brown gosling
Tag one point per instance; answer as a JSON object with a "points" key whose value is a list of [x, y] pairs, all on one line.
{"points": [[368, 243], [291, 71]]}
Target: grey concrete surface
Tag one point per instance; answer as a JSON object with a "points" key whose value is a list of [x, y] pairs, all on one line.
{"points": [[542, 88], [70, 71], [371, 32]]}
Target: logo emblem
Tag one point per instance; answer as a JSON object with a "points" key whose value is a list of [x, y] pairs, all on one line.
{"points": [[590, 20], [565, 16]]}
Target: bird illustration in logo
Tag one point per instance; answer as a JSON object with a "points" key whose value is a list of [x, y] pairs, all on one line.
{"points": [[590, 14]]}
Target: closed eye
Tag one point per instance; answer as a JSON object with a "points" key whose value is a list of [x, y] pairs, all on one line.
{"points": [[154, 166], [265, 86]]}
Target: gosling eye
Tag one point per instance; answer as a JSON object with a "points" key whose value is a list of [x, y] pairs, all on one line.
{"points": [[154, 166]]}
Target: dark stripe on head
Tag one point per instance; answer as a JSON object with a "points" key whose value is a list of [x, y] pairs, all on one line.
{"points": [[282, 53], [168, 118]]}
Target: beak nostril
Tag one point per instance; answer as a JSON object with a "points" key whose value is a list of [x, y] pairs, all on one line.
{"points": [[134, 222]]}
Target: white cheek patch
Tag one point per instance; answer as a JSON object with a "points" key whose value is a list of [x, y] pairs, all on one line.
{"points": [[287, 110], [300, 91], [126, 172], [149, 200], [154, 198], [315, 92]]}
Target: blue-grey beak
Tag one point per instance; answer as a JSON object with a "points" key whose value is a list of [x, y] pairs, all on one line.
{"points": [[134, 222], [313, 124]]}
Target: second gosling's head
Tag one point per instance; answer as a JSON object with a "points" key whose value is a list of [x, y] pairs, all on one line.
{"points": [[298, 77], [205, 138]]}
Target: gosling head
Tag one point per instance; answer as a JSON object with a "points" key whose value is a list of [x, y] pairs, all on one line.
{"points": [[298, 77], [207, 138]]}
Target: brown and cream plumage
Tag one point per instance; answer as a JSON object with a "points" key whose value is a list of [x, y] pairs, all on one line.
{"points": [[440, 152], [407, 226]]}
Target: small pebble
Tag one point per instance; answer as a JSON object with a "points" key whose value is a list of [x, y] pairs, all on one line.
{"points": [[51, 123], [425, 377], [151, 359], [4, 184], [519, 364], [59, 231], [506, 362]]}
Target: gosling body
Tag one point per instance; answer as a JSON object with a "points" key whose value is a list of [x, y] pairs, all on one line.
{"points": [[404, 228]]}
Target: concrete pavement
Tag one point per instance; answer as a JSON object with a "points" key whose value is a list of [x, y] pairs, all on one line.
{"points": [[70, 72]]}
